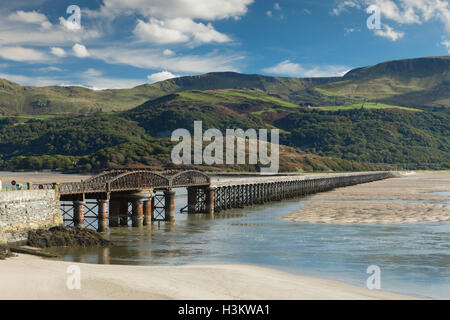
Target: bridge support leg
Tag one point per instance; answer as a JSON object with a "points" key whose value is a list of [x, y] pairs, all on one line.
{"points": [[169, 205], [124, 213], [114, 213], [102, 215], [138, 213], [192, 199], [148, 212], [210, 200], [78, 214]]}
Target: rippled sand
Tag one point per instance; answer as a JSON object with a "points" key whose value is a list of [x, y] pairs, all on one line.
{"points": [[26, 277], [407, 199]]}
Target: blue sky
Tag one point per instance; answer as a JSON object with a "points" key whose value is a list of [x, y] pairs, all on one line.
{"points": [[121, 44]]}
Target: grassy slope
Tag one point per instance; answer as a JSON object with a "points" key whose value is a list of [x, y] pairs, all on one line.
{"points": [[410, 83], [16, 99], [415, 82], [367, 105]]}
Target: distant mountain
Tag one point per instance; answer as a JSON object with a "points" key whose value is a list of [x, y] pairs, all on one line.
{"points": [[418, 82], [411, 83], [17, 99]]}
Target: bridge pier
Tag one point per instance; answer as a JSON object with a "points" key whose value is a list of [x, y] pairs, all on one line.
{"points": [[78, 214], [114, 213], [102, 215], [137, 217], [169, 205], [148, 212], [210, 200]]}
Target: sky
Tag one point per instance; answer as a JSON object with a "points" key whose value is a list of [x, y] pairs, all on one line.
{"points": [[111, 44]]}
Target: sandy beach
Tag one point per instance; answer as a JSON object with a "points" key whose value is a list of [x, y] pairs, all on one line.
{"points": [[29, 277], [410, 198]]}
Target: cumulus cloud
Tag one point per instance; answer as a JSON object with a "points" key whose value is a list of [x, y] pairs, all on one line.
{"points": [[22, 54], [288, 68], [68, 24], [402, 12], [390, 33], [161, 76], [173, 21], [193, 9], [169, 52], [31, 17], [177, 30], [59, 52], [80, 51], [157, 31]]}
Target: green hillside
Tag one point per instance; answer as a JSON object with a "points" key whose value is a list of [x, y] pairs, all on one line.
{"points": [[411, 83], [419, 83], [18, 100], [312, 139]]}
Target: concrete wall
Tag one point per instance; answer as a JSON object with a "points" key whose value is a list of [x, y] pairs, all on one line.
{"points": [[22, 211]]}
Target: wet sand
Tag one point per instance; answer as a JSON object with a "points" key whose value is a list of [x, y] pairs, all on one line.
{"points": [[28, 277], [410, 198]]}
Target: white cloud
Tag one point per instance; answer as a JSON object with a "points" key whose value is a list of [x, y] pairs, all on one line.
{"points": [[177, 30], [22, 54], [390, 33], [154, 59], [269, 13], [161, 76], [288, 68], [91, 72], [15, 32], [193, 9], [403, 11], [59, 52], [157, 31], [51, 69], [446, 43], [80, 51], [169, 52], [32, 17], [277, 6], [343, 5], [69, 25], [173, 21]]}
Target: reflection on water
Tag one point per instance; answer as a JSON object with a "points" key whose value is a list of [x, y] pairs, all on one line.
{"points": [[414, 258]]}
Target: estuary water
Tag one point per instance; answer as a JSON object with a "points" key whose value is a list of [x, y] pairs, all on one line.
{"points": [[414, 259]]}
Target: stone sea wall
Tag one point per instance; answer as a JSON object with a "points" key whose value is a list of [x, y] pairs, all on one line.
{"points": [[22, 211]]}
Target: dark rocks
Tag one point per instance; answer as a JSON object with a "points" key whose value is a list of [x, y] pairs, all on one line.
{"points": [[66, 237]]}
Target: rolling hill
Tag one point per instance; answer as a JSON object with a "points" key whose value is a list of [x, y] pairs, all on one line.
{"points": [[421, 82]]}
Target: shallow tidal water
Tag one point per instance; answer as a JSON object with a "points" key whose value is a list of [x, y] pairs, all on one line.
{"points": [[414, 258]]}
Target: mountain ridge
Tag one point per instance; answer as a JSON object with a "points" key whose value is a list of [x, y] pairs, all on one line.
{"points": [[418, 82]]}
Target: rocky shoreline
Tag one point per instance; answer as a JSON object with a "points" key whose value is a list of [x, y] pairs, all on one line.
{"points": [[66, 237]]}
